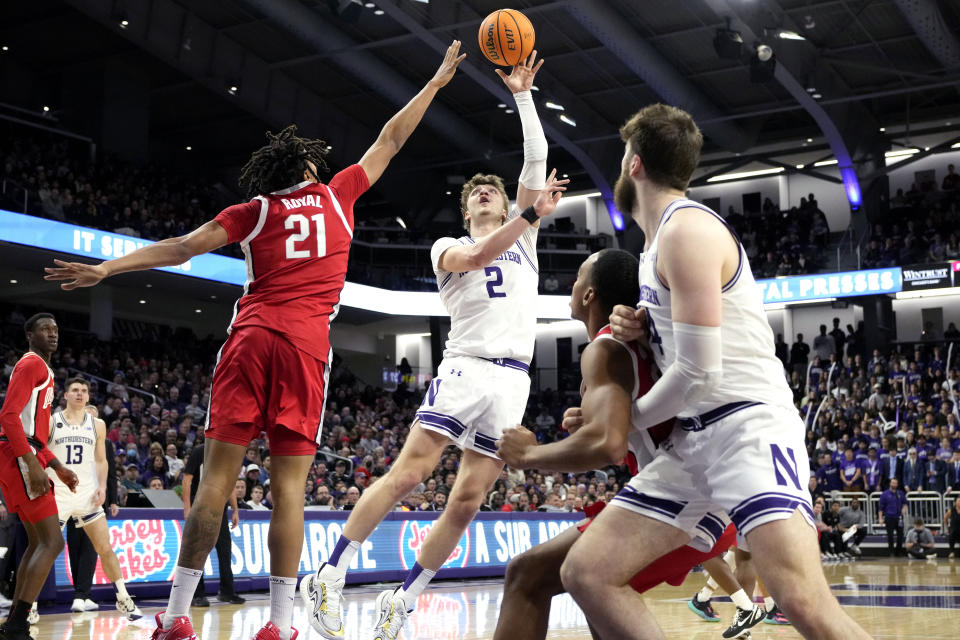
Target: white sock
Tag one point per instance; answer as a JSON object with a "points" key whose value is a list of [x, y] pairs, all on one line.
{"points": [[768, 603], [181, 593], [705, 594], [742, 600], [282, 596], [121, 590], [417, 580], [340, 558]]}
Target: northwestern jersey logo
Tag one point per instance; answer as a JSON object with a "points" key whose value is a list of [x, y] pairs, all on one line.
{"points": [[648, 294], [412, 535], [787, 464]]}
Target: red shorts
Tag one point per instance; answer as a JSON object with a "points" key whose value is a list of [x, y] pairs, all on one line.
{"points": [[13, 484], [673, 567], [264, 383]]}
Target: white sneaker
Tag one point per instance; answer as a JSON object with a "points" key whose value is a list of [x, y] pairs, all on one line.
{"points": [[90, 605], [323, 599], [129, 609], [77, 605], [392, 614], [34, 616]]}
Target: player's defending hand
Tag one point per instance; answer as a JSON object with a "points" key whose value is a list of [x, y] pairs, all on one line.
{"points": [[513, 446], [521, 77], [75, 274], [627, 324], [572, 419], [68, 477], [550, 195], [235, 519], [448, 67]]}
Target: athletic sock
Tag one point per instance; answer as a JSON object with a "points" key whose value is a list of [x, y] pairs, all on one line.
{"points": [[121, 590], [340, 559], [742, 600], [705, 594], [768, 603], [181, 593], [417, 580], [282, 595], [17, 619]]}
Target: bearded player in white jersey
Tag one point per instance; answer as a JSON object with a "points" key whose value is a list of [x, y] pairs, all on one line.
{"points": [[738, 444], [488, 283], [76, 438]]}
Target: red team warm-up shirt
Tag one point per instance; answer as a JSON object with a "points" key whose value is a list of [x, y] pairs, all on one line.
{"points": [[296, 242], [25, 416]]}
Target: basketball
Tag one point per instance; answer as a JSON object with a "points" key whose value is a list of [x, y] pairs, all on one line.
{"points": [[506, 37]]}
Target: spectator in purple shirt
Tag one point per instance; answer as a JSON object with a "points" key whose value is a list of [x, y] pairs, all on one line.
{"points": [[892, 508], [829, 474], [871, 471], [850, 473]]}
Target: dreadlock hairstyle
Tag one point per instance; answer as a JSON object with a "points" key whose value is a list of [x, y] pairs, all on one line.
{"points": [[281, 162]]}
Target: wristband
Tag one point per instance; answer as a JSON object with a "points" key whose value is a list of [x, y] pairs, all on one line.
{"points": [[530, 215]]}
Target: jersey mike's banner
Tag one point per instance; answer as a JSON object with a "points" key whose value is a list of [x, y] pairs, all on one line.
{"points": [[831, 285], [147, 542], [929, 276]]}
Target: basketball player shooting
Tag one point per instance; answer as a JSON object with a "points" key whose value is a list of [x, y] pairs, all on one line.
{"points": [[488, 283], [614, 374], [272, 371], [738, 445], [77, 438], [24, 454]]}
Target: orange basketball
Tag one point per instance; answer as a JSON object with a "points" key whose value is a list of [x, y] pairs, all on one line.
{"points": [[506, 37]]}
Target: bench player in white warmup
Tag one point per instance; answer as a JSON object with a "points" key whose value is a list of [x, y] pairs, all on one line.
{"points": [[488, 283], [738, 445], [76, 439]]}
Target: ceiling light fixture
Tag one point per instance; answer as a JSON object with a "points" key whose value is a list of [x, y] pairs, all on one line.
{"points": [[723, 177], [554, 106], [568, 120], [124, 23], [826, 163], [789, 35], [817, 96], [189, 148]]}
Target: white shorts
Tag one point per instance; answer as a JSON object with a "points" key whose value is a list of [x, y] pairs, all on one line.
{"points": [[747, 460], [78, 506], [472, 400]]}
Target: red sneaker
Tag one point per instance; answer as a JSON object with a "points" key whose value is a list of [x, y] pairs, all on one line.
{"points": [[180, 629], [271, 632]]}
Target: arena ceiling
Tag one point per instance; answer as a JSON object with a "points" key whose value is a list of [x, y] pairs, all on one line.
{"points": [[866, 63]]}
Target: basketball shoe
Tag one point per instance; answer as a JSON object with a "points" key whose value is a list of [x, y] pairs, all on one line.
{"points": [[392, 616], [703, 609], [775, 616], [323, 599], [34, 616], [744, 619], [180, 629], [271, 632], [129, 609]]}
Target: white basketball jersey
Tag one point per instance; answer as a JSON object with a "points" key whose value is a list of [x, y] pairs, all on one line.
{"points": [[751, 370], [492, 310], [74, 445]]}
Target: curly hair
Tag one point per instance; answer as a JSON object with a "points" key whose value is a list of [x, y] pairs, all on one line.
{"points": [[281, 162]]}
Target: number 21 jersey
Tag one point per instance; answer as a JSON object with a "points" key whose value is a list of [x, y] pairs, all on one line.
{"points": [[493, 311], [295, 244]]}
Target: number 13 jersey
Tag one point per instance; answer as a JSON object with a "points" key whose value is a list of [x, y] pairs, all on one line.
{"points": [[493, 311], [74, 445], [295, 243]]}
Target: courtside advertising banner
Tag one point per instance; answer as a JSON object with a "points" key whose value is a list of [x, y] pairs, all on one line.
{"points": [[928, 276], [147, 542]]}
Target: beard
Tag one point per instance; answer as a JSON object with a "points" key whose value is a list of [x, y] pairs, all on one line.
{"points": [[624, 195]]}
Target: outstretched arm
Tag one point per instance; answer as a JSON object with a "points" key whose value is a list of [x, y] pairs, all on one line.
{"points": [[166, 253], [533, 174], [400, 126], [608, 377]]}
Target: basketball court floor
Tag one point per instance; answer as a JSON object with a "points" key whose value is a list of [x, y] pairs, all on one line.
{"points": [[890, 598]]}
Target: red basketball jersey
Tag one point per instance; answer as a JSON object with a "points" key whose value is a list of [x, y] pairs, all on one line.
{"points": [[296, 242], [647, 374], [25, 416]]}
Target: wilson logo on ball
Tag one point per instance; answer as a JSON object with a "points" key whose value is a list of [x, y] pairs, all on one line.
{"points": [[506, 37]]}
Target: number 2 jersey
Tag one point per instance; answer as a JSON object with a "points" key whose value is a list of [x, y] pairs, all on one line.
{"points": [[296, 242], [492, 310]]}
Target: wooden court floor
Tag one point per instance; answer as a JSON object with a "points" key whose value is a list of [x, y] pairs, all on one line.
{"points": [[890, 598]]}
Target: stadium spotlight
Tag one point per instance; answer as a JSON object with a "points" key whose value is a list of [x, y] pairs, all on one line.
{"points": [[763, 64], [728, 44]]}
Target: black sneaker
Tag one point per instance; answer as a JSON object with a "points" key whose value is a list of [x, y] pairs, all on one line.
{"points": [[230, 598], [744, 619], [200, 601], [703, 609]]}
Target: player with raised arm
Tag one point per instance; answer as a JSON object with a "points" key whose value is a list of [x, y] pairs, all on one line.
{"points": [[614, 374], [738, 446], [24, 454], [77, 439], [272, 371], [488, 283]]}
